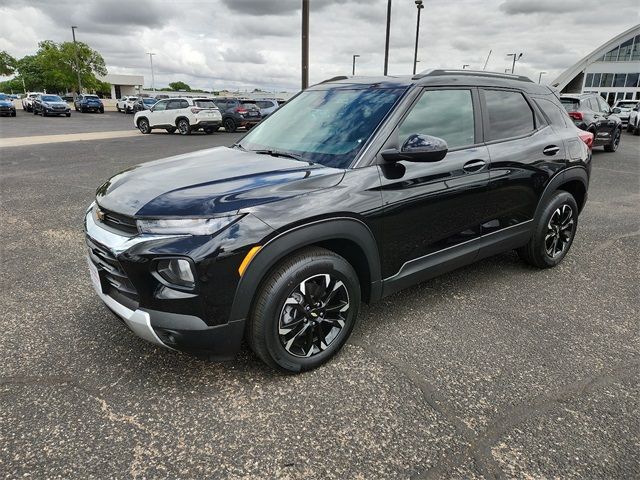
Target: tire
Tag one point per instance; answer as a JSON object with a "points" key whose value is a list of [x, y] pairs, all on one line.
{"points": [[558, 223], [230, 125], [101, 110], [43, 112], [33, 110], [143, 126], [119, 109], [285, 348], [170, 129], [629, 127], [68, 114], [184, 127], [636, 129], [13, 114], [615, 141]]}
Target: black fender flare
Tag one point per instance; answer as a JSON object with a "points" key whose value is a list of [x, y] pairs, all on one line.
{"points": [[280, 246], [570, 174]]}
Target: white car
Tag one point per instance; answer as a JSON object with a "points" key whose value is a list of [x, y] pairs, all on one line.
{"points": [[184, 114], [125, 104], [634, 120], [622, 108], [27, 101]]}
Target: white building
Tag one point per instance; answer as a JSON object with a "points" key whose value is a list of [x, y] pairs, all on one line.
{"points": [[612, 70], [122, 85]]}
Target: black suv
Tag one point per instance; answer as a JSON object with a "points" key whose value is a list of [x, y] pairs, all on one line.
{"points": [[353, 190], [238, 112], [590, 112]]}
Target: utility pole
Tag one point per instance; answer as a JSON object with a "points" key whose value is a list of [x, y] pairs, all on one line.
{"points": [[353, 71], [420, 6], [386, 44], [540, 76], [487, 60], [153, 78], [75, 49], [305, 44], [516, 57]]}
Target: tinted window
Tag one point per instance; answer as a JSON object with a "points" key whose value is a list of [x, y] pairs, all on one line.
{"points": [[509, 114], [619, 79], [161, 105], [447, 114], [184, 104], [174, 105], [555, 115], [205, 104]]}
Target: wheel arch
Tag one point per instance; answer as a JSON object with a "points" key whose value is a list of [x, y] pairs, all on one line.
{"points": [[348, 237], [574, 180], [142, 118], [181, 117]]}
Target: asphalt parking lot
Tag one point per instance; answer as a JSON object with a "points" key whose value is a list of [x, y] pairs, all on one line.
{"points": [[496, 370]]}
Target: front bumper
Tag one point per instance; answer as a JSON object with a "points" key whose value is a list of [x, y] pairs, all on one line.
{"points": [[175, 331]]}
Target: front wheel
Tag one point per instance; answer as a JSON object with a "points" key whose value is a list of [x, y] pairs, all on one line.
{"points": [[305, 310], [143, 126], [101, 110], [553, 233], [184, 127], [615, 141]]}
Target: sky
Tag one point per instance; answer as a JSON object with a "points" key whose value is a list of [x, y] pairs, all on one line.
{"points": [[247, 44]]}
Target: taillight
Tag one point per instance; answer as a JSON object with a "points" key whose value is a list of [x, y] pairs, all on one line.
{"points": [[241, 110], [586, 137], [196, 110], [576, 115]]}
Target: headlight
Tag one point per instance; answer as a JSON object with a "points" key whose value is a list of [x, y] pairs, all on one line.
{"points": [[191, 226]]}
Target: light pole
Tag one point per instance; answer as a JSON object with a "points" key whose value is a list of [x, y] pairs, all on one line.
{"points": [[305, 44], [540, 76], [386, 43], [353, 70], [153, 78], [75, 49], [516, 57], [464, 67], [420, 6]]}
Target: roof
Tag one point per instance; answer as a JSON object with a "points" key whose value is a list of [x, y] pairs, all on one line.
{"points": [[441, 78], [569, 74]]}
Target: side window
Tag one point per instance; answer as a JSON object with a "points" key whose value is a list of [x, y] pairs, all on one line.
{"points": [[447, 114], [604, 107], [509, 115], [173, 105], [184, 104], [556, 116], [160, 106], [592, 104]]}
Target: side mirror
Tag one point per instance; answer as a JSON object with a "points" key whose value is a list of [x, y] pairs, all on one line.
{"points": [[418, 148], [617, 110]]}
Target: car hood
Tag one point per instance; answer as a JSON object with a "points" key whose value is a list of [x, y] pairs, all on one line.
{"points": [[211, 182]]}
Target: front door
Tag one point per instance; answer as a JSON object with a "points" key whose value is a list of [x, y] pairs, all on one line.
{"points": [[430, 207]]}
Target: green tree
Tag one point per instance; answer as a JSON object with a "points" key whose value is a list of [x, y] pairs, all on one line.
{"points": [[7, 64], [179, 86], [59, 63]]}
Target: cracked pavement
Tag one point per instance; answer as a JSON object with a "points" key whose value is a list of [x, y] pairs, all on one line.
{"points": [[496, 370]]}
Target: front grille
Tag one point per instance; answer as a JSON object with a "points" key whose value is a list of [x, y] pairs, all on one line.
{"points": [[113, 277], [119, 222]]}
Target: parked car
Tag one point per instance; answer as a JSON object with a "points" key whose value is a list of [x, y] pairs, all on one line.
{"points": [[267, 106], [144, 103], [356, 189], [184, 114], [7, 108], [45, 105], [590, 112], [125, 104], [88, 103], [67, 98], [634, 120], [622, 108], [27, 101], [238, 112]]}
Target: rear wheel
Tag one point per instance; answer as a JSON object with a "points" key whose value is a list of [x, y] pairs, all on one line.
{"points": [[230, 125], [184, 126], [143, 126], [101, 110], [612, 146], [304, 311], [118, 109], [553, 233]]}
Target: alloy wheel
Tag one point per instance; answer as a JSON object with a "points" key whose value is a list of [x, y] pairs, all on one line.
{"points": [[616, 139], [143, 125], [560, 230], [183, 126], [313, 315]]}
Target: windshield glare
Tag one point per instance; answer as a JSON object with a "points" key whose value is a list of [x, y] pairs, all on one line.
{"points": [[51, 98], [328, 127]]}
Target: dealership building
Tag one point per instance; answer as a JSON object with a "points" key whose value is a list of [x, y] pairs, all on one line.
{"points": [[612, 70]]}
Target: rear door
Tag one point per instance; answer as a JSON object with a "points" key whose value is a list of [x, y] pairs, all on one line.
{"points": [[525, 153]]}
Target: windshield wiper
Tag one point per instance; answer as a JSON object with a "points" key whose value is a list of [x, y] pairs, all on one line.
{"points": [[279, 153]]}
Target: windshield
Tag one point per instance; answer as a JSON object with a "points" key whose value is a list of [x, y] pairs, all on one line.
{"points": [[149, 101], [51, 98], [328, 127], [205, 104], [570, 104]]}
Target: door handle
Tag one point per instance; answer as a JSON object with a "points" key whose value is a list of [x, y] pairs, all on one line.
{"points": [[474, 165], [551, 150]]}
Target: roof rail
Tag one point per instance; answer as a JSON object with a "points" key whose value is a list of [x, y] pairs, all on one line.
{"points": [[334, 79], [474, 73]]}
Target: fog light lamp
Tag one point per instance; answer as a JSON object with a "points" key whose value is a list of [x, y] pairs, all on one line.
{"points": [[176, 271]]}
